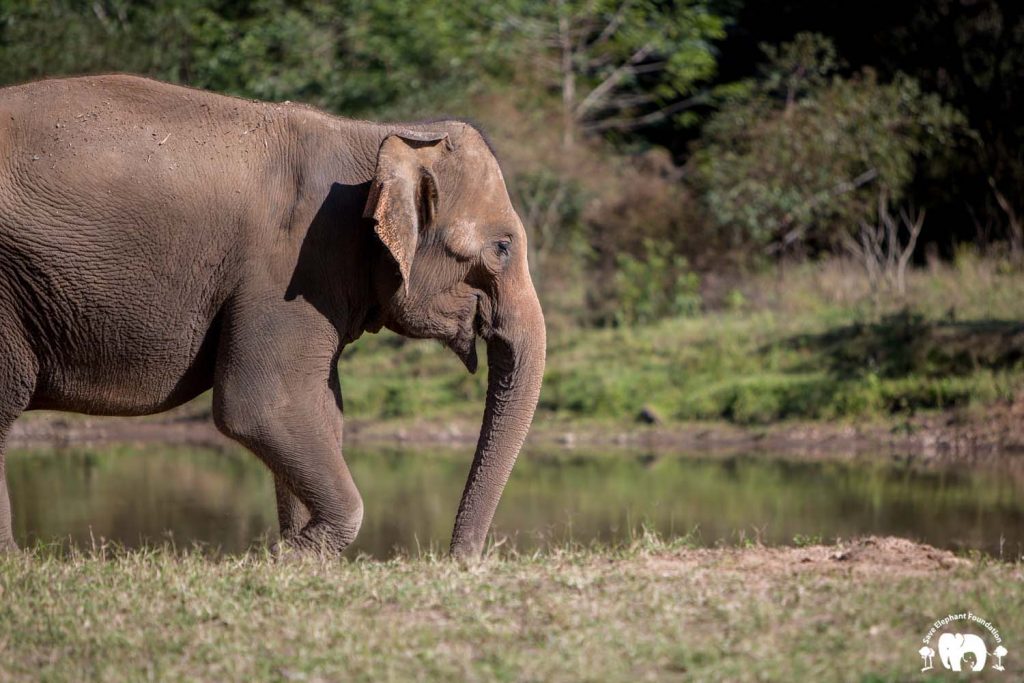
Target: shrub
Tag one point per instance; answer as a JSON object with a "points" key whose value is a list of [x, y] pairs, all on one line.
{"points": [[797, 157], [658, 285]]}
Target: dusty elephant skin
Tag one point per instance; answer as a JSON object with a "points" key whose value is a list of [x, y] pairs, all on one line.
{"points": [[157, 241]]}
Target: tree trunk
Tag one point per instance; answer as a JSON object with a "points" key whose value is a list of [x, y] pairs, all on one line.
{"points": [[568, 80]]}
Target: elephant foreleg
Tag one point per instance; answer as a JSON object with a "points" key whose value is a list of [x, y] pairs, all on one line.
{"points": [[304, 452], [278, 394]]}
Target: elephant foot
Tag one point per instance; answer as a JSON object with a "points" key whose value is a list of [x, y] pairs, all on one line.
{"points": [[8, 546], [320, 539]]}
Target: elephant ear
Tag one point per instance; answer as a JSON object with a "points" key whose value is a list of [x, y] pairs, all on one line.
{"points": [[403, 194]]}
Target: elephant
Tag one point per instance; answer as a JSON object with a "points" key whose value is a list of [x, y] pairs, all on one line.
{"points": [[158, 241], [954, 646]]}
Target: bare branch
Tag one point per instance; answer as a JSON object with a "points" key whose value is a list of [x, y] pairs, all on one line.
{"points": [[878, 249], [627, 101], [601, 60], [1016, 228], [101, 14], [611, 27], [650, 67], [914, 224], [611, 81], [568, 77], [629, 123]]}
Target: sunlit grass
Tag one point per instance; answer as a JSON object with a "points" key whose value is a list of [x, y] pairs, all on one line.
{"points": [[812, 343], [645, 610]]}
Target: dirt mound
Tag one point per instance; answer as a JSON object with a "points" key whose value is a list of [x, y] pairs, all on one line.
{"points": [[887, 552], [870, 554]]}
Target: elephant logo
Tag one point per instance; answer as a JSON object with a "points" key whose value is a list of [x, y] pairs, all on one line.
{"points": [[957, 649], [960, 651]]}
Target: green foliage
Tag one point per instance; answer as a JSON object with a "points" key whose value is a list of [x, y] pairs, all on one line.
{"points": [[551, 207], [658, 285], [345, 56], [799, 155], [806, 540], [798, 68], [618, 64]]}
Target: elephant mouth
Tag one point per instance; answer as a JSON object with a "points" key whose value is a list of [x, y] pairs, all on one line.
{"points": [[463, 344], [465, 349]]}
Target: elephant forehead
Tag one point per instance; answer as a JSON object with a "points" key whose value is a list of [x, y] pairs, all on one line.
{"points": [[480, 163], [464, 239], [464, 225], [483, 202]]}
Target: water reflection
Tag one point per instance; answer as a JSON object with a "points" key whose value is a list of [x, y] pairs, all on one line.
{"points": [[224, 499]]}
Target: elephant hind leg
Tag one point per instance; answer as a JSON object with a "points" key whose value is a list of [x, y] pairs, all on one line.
{"points": [[7, 543], [18, 372]]}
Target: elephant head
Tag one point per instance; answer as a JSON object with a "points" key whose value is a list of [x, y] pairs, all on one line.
{"points": [[954, 646], [454, 268]]}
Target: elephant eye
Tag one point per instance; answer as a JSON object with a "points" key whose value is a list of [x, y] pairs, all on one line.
{"points": [[503, 246]]}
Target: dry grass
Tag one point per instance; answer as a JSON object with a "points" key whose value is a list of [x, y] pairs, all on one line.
{"points": [[647, 612]]}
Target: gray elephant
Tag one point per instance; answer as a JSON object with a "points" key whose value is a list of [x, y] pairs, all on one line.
{"points": [[157, 241]]}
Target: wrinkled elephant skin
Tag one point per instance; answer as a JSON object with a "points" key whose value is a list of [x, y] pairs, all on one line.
{"points": [[158, 241]]}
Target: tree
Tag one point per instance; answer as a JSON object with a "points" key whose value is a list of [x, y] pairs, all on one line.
{"points": [[926, 654], [970, 53], [999, 652], [348, 57], [797, 158], [619, 64]]}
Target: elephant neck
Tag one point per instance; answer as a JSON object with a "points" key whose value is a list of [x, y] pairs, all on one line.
{"points": [[331, 162]]}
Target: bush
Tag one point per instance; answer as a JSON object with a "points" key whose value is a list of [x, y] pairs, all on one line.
{"points": [[797, 157], [658, 285], [637, 229]]}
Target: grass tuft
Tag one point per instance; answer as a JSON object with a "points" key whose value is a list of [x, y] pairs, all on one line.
{"points": [[650, 609]]}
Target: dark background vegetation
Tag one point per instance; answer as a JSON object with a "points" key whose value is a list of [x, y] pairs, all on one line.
{"points": [[671, 161], [723, 131]]}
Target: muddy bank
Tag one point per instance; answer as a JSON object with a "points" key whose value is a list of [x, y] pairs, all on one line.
{"points": [[994, 432]]}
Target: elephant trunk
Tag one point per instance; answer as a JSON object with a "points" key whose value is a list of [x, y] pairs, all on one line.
{"points": [[515, 359]]}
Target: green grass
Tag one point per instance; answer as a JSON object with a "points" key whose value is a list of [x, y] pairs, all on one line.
{"points": [[811, 344], [645, 612]]}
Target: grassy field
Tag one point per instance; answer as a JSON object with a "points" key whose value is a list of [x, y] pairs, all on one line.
{"points": [[811, 343], [645, 612]]}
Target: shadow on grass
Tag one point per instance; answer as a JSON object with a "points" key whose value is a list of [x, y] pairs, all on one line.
{"points": [[906, 344], [898, 365]]}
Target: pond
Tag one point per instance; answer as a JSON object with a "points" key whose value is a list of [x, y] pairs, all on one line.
{"points": [[222, 499]]}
